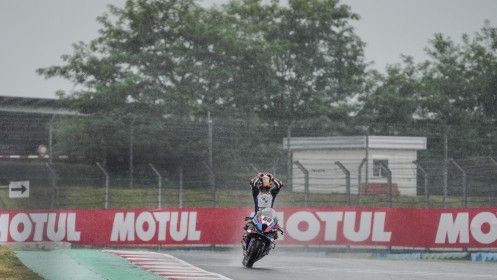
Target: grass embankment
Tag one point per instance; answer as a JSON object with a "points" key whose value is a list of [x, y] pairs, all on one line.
{"points": [[12, 268]]}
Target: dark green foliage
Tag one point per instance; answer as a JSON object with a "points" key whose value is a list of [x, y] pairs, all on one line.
{"points": [[156, 69], [157, 59]]}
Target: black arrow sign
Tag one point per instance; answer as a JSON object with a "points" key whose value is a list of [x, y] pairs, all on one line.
{"points": [[22, 189]]}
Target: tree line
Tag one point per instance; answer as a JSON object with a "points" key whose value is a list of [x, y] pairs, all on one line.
{"points": [[299, 64]]}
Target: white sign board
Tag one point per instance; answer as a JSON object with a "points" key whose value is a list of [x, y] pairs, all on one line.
{"points": [[19, 189]]}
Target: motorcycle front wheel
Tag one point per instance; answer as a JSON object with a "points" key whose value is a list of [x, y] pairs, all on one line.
{"points": [[255, 250]]}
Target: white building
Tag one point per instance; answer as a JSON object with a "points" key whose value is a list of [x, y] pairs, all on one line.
{"points": [[318, 155]]}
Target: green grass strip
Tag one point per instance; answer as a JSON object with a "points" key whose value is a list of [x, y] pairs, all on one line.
{"points": [[82, 264]]}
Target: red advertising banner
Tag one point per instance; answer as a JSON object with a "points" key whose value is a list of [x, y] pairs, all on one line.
{"points": [[424, 228]]}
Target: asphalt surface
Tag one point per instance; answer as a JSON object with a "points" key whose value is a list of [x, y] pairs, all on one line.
{"points": [[279, 265], [300, 265]]}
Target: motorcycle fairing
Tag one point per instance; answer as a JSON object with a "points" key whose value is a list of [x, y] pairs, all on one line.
{"points": [[266, 220]]}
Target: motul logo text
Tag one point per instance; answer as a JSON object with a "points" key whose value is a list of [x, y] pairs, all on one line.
{"points": [[23, 227], [160, 225], [483, 228], [370, 226]]}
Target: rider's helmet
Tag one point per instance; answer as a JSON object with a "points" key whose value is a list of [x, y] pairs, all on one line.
{"points": [[265, 183]]}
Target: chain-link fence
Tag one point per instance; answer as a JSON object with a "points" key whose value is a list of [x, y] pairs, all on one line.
{"points": [[168, 161]]}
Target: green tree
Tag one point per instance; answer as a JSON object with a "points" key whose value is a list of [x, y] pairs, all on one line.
{"points": [[460, 88], [310, 61], [460, 80], [247, 59], [141, 67], [392, 98], [454, 87], [176, 57]]}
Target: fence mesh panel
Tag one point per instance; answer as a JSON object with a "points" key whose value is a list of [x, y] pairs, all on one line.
{"points": [[208, 162]]}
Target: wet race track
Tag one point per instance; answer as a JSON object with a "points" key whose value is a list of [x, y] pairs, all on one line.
{"points": [[86, 264], [298, 265]]}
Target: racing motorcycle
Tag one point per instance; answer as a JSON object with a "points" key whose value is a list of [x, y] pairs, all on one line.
{"points": [[261, 232]]}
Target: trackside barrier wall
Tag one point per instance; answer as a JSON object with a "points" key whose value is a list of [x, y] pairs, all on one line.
{"points": [[378, 227], [484, 257], [473, 256]]}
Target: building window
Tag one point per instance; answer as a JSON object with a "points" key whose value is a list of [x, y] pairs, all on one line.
{"points": [[378, 171]]}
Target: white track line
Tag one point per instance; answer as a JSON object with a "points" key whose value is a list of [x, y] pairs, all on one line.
{"points": [[166, 265]]}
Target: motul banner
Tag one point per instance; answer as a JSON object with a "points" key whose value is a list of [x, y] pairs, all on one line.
{"points": [[425, 228]]}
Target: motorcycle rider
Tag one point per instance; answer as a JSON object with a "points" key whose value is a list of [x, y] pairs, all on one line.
{"points": [[264, 196]]}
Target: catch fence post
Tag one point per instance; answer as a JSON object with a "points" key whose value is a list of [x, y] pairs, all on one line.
{"points": [[131, 151], [55, 189], [464, 182], [359, 180], [159, 186], [306, 182], [106, 203], [289, 161], [389, 182], [212, 184], [445, 167], [180, 190], [50, 139], [212, 178], [347, 180], [425, 175]]}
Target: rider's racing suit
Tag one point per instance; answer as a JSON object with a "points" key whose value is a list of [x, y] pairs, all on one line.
{"points": [[264, 200]]}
